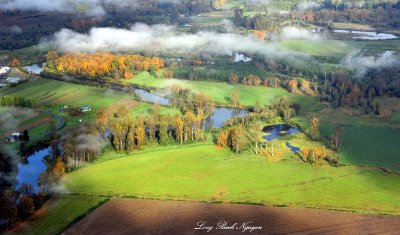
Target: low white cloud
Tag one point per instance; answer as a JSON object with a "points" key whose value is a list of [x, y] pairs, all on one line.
{"points": [[90, 7], [291, 32], [241, 58], [361, 64], [160, 38], [307, 5], [227, 25]]}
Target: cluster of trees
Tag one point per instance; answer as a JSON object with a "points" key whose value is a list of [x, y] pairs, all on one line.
{"points": [[234, 138], [103, 64], [129, 132], [18, 205], [314, 153], [49, 179], [17, 101], [184, 99], [81, 144], [269, 22], [340, 89], [244, 133]]}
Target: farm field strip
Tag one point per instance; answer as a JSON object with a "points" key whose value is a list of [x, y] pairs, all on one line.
{"points": [[155, 216]]}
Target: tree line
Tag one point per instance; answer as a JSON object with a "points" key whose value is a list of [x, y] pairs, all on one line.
{"points": [[102, 64], [17, 101]]}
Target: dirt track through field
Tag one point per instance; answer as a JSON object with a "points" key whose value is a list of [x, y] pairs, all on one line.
{"points": [[130, 216]]}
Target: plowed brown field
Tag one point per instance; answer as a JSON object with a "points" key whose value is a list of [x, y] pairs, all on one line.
{"points": [[129, 216]]}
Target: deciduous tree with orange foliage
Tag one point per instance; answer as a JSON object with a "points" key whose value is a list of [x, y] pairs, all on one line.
{"points": [[260, 34], [222, 139]]}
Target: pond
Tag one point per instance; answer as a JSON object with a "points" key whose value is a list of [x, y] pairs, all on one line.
{"points": [[365, 35], [277, 131], [28, 172], [34, 68], [221, 115], [292, 148], [217, 119], [151, 97]]}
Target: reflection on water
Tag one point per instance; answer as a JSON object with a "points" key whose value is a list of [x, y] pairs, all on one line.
{"points": [[28, 172], [292, 148], [151, 97], [365, 35], [279, 130], [222, 114]]}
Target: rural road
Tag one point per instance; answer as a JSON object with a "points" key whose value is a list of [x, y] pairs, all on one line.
{"points": [[132, 216], [60, 120]]}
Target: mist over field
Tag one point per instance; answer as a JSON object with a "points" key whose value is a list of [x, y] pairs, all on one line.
{"points": [[159, 38], [90, 7], [142, 37], [361, 64]]}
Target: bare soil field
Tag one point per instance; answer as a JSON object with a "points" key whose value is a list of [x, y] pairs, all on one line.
{"points": [[131, 216]]}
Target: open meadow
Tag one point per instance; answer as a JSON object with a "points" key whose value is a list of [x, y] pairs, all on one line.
{"points": [[204, 172], [366, 140], [220, 92]]}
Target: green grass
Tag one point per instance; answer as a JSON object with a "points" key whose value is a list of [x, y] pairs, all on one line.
{"points": [[46, 91], [374, 146], [379, 46], [233, 4], [59, 214], [206, 173], [369, 145], [318, 48], [220, 92], [395, 116], [366, 140], [58, 93], [144, 108]]}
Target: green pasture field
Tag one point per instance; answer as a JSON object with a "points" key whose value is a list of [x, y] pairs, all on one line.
{"points": [[45, 91], [318, 48], [366, 140], [58, 213], [377, 46], [221, 92], [205, 172]]}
